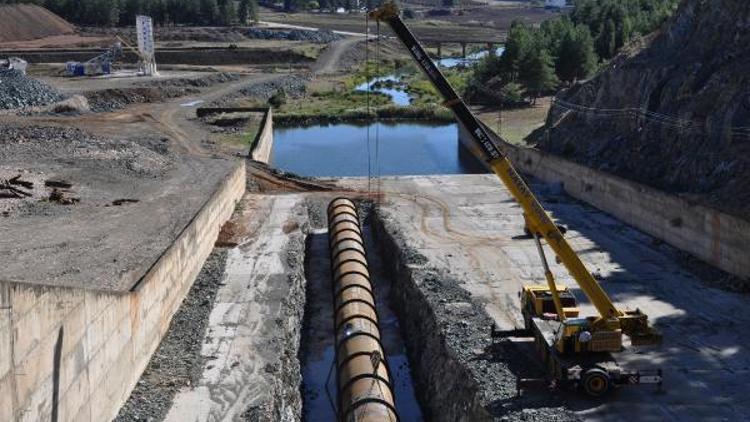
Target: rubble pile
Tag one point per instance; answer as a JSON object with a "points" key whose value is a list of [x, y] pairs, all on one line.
{"points": [[321, 36], [18, 91]]}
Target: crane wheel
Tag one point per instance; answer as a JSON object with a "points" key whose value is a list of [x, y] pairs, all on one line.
{"points": [[596, 382]]}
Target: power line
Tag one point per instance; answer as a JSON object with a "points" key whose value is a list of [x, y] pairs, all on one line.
{"points": [[647, 116]]}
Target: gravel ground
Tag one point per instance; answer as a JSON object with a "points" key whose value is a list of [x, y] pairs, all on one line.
{"points": [[51, 149], [321, 36], [142, 158], [107, 100], [129, 200], [291, 85], [199, 82], [177, 362], [18, 90], [445, 327]]}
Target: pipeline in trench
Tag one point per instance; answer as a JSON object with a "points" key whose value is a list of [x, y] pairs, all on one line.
{"points": [[319, 389]]}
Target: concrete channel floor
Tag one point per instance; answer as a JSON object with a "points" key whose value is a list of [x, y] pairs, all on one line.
{"points": [[250, 326], [472, 228]]}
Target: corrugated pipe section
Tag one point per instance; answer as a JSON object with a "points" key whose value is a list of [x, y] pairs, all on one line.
{"points": [[364, 386]]}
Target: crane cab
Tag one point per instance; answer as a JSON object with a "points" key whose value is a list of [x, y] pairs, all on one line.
{"points": [[537, 302], [577, 335]]}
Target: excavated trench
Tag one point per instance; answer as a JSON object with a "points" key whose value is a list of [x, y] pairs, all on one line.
{"points": [[317, 350], [444, 365], [459, 372]]}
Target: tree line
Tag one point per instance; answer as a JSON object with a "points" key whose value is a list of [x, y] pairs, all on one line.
{"points": [[182, 12], [537, 60], [122, 12]]}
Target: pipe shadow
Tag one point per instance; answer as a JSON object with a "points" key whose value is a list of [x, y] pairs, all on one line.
{"points": [[56, 361]]}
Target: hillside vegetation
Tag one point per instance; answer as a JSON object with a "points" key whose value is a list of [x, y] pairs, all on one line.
{"points": [[674, 114], [563, 50]]}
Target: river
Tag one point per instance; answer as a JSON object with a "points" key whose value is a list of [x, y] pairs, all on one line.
{"points": [[392, 86]]}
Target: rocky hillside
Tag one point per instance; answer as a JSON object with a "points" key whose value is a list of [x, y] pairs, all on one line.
{"points": [[672, 112]]}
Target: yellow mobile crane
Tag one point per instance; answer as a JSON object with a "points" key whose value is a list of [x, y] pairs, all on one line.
{"points": [[577, 351]]}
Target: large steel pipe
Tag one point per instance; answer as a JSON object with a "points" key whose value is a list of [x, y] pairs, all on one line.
{"points": [[364, 385]]}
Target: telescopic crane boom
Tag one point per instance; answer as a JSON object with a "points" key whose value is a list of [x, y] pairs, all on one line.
{"points": [[632, 323]]}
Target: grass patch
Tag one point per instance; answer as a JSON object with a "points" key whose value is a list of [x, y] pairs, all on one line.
{"points": [[516, 124], [331, 102], [311, 51], [246, 138], [422, 91], [432, 113]]}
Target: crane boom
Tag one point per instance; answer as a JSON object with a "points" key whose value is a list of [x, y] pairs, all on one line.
{"points": [[633, 323]]}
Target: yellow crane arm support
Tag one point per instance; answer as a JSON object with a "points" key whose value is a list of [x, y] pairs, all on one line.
{"points": [[632, 323]]}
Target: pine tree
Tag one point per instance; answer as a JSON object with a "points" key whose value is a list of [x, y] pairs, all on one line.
{"points": [[576, 57], [517, 47], [243, 11], [606, 44], [227, 13], [537, 73], [252, 11], [209, 12]]}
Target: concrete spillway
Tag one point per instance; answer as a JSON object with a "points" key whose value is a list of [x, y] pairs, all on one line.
{"points": [[365, 392]]}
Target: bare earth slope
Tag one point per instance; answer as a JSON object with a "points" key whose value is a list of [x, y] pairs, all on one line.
{"points": [[674, 115], [21, 22]]}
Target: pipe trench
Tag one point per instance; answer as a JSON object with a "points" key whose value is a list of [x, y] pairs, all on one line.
{"points": [[364, 383]]}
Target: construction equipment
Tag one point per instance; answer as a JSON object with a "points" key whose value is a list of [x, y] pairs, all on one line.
{"points": [[99, 65], [577, 351], [102, 64], [14, 63], [146, 67]]}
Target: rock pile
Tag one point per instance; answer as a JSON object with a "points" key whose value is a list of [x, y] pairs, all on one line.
{"points": [[18, 90], [321, 36], [292, 86]]}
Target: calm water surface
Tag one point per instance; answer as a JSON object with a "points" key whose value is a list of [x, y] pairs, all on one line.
{"points": [[342, 150]]}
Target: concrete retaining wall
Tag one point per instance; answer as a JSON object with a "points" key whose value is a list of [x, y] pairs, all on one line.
{"points": [[717, 238], [74, 355], [263, 145]]}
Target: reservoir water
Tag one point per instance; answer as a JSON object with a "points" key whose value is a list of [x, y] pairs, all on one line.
{"points": [[404, 148], [386, 149]]}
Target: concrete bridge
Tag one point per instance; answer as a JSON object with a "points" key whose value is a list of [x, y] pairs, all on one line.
{"points": [[490, 44]]}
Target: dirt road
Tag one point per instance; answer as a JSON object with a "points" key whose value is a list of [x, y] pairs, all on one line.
{"points": [[329, 62], [174, 118]]}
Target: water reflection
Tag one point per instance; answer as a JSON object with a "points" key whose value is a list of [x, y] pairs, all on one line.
{"points": [[392, 85], [342, 150]]}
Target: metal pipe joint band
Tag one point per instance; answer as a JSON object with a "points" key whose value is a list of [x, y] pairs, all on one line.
{"points": [[364, 385]]}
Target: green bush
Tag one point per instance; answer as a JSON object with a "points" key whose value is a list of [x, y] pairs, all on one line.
{"points": [[512, 94], [278, 99]]}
